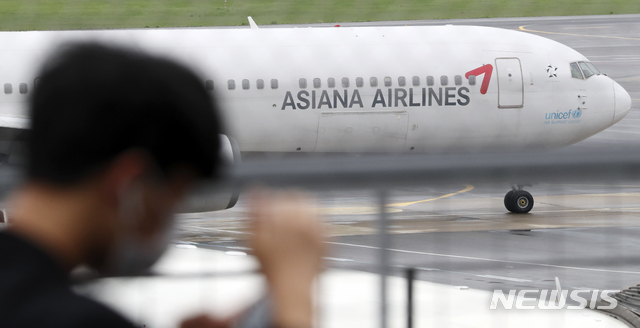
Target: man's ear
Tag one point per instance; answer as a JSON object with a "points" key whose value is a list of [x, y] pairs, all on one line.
{"points": [[127, 169]]}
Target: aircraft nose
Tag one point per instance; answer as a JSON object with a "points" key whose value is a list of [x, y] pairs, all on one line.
{"points": [[622, 102]]}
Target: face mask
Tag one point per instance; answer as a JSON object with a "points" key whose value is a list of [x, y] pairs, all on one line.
{"points": [[133, 255]]}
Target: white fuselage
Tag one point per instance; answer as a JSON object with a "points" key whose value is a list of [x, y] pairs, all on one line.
{"points": [[424, 100]]}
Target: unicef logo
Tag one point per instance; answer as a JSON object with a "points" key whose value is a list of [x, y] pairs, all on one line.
{"points": [[569, 117], [577, 114]]}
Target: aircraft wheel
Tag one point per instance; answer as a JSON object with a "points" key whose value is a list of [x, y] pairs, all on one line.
{"points": [[521, 202], [507, 200]]}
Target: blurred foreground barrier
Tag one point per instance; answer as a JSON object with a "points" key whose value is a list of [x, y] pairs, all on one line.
{"points": [[380, 171]]}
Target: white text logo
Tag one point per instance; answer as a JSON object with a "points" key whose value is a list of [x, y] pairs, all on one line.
{"points": [[552, 299]]}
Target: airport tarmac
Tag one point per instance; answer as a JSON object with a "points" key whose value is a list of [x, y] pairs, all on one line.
{"points": [[585, 234]]}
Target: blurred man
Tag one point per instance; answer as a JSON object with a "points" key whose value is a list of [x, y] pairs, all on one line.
{"points": [[116, 140]]}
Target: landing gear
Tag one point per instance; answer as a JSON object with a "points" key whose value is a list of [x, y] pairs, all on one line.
{"points": [[518, 201]]}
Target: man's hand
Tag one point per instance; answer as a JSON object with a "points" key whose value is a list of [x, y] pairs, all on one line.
{"points": [[288, 240]]}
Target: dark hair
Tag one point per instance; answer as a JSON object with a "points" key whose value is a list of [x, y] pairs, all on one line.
{"points": [[93, 102]]}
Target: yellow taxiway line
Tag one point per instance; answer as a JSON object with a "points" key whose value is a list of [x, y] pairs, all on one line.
{"points": [[522, 28], [467, 188]]}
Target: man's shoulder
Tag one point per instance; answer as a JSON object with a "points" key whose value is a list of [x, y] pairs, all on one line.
{"points": [[34, 292], [26, 271], [65, 309], [18, 251]]}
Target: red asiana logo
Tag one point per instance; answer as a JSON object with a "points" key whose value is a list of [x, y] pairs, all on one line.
{"points": [[487, 70]]}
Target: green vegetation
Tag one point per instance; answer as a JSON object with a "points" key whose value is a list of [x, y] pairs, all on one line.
{"points": [[91, 14]]}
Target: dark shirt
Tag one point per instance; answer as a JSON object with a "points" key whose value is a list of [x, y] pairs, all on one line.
{"points": [[35, 292]]}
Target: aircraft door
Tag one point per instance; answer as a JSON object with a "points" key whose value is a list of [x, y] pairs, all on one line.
{"points": [[362, 131], [510, 84]]}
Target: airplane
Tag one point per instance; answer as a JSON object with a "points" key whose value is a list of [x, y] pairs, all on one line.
{"points": [[409, 89]]}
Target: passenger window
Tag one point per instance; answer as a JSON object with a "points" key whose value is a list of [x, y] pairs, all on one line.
{"points": [[402, 81], [575, 71], [472, 80], [208, 85], [303, 83], [593, 68], [345, 82], [359, 82], [586, 70], [274, 84], [260, 84], [24, 89], [317, 83], [416, 81], [457, 80], [387, 81], [331, 82], [8, 88], [231, 84], [444, 80], [245, 84], [430, 81], [373, 81]]}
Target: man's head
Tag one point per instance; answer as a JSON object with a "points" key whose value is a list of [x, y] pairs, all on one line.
{"points": [[129, 130], [92, 103]]}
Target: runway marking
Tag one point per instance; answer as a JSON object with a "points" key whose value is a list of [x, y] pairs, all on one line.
{"points": [[356, 210], [467, 188], [618, 55], [398, 266], [612, 210], [582, 28], [219, 230], [486, 259], [338, 259], [503, 278], [522, 28], [595, 185]]}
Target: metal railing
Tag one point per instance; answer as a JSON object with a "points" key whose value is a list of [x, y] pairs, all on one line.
{"points": [[378, 171]]}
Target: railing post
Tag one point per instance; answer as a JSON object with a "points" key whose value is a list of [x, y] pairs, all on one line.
{"points": [[383, 262], [411, 273]]}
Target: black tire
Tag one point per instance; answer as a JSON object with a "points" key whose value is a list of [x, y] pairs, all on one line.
{"points": [[521, 202], [507, 200]]}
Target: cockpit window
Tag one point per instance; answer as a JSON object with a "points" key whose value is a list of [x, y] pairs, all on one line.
{"points": [[593, 68], [575, 71], [586, 70]]}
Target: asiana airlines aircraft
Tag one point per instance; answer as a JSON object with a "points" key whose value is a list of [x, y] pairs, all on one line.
{"points": [[418, 89]]}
